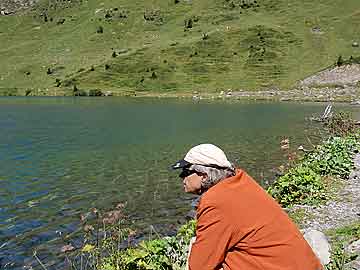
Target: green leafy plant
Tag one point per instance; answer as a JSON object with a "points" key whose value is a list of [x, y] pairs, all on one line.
{"points": [[187, 231], [300, 184], [148, 255], [334, 157], [307, 182], [161, 253]]}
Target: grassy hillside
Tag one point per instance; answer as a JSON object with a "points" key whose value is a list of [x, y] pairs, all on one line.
{"points": [[175, 45]]}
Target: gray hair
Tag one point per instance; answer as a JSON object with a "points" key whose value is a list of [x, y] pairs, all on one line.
{"points": [[214, 175]]}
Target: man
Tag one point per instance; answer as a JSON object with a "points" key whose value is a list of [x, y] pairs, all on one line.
{"points": [[239, 226]]}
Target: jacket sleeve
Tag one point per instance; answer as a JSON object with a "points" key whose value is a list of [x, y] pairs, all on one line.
{"points": [[213, 240]]}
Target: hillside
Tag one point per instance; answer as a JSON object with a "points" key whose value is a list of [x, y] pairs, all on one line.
{"points": [[175, 46]]}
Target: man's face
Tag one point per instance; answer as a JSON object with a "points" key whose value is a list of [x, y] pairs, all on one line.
{"points": [[192, 181]]}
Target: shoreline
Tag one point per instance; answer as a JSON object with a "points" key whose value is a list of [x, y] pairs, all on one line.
{"points": [[342, 94]]}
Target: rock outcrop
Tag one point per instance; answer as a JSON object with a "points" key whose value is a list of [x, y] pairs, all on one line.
{"points": [[8, 7]]}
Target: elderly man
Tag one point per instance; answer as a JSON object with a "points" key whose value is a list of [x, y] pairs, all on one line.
{"points": [[239, 226]]}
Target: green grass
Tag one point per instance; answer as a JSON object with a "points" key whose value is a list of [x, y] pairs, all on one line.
{"points": [[340, 238], [246, 48]]}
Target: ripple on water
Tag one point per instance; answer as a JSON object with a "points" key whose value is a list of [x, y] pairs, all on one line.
{"points": [[62, 157]]}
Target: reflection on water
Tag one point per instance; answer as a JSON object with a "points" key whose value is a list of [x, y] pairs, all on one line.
{"points": [[59, 157]]}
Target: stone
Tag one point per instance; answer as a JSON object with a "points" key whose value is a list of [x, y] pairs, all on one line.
{"points": [[355, 44], [320, 245], [354, 265], [354, 247], [67, 248]]}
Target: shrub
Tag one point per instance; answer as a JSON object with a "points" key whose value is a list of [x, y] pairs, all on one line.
{"points": [[339, 61], [188, 23], [334, 157], [57, 82], [305, 183], [300, 184], [100, 30], [78, 93], [95, 93], [341, 124]]}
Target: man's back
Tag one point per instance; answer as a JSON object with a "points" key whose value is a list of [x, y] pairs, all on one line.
{"points": [[241, 227]]}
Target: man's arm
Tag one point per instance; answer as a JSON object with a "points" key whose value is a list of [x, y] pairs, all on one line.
{"points": [[213, 239]]}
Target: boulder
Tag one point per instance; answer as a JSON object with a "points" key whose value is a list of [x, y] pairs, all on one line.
{"points": [[355, 44], [320, 245]]}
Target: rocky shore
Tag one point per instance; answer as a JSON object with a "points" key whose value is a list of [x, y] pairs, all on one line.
{"points": [[336, 84]]}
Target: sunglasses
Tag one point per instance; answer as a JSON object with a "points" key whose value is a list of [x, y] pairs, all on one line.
{"points": [[186, 173]]}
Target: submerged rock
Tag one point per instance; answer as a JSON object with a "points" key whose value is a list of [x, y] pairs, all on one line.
{"points": [[67, 248]]}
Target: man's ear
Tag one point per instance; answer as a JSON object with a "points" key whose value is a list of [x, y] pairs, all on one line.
{"points": [[203, 176]]}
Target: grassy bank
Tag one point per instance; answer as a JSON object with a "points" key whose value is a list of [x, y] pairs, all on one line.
{"points": [[172, 46]]}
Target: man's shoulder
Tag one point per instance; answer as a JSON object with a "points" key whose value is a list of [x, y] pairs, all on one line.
{"points": [[229, 190]]}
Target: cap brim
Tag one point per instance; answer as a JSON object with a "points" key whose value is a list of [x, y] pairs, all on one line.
{"points": [[180, 164]]}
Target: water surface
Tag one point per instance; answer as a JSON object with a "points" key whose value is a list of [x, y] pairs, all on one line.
{"points": [[59, 157]]}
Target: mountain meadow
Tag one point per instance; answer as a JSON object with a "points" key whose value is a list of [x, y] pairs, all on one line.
{"points": [[174, 47]]}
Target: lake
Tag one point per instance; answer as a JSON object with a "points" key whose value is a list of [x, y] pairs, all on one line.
{"points": [[60, 157]]}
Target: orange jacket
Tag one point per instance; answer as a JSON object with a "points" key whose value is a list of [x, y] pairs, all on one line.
{"points": [[240, 227]]}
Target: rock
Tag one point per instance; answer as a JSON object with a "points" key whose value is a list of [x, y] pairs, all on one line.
{"points": [[229, 94], [355, 44], [98, 10], [108, 94], [67, 248], [123, 51], [112, 216], [316, 30], [354, 247], [354, 265], [318, 242], [88, 228], [356, 102]]}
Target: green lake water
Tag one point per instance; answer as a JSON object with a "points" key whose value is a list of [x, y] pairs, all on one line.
{"points": [[60, 157]]}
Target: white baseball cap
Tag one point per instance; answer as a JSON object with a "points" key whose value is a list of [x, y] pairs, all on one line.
{"points": [[204, 154]]}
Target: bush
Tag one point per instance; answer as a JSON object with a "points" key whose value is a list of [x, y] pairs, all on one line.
{"points": [[95, 93], [334, 157], [341, 124], [305, 183], [300, 184], [339, 61], [100, 30]]}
